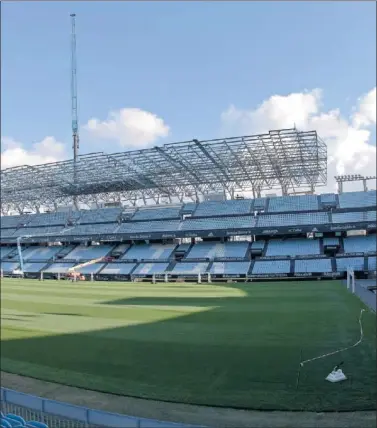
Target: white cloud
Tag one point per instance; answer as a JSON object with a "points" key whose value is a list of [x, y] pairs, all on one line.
{"points": [[129, 127], [14, 153], [348, 142], [366, 114]]}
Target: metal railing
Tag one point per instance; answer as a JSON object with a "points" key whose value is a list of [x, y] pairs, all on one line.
{"points": [[57, 414]]}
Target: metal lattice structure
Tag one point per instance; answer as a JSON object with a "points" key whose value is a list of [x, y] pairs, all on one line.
{"points": [[287, 159]]}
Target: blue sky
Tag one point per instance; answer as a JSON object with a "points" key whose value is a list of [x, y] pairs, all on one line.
{"points": [[185, 62]]}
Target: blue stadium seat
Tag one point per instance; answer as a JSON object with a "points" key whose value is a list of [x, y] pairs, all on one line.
{"points": [[293, 203], [20, 420], [293, 247], [271, 267], [36, 424], [150, 268], [313, 266], [357, 199], [360, 244], [5, 423]]}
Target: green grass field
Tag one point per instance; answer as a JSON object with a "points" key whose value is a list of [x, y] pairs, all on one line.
{"points": [[223, 345]]}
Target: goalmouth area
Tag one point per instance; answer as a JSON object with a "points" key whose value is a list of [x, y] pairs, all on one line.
{"points": [[228, 345]]}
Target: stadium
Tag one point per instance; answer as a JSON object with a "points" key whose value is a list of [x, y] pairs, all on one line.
{"points": [[175, 274]]}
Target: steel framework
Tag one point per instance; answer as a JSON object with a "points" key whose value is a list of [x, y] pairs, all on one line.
{"points": [[287, 159]]}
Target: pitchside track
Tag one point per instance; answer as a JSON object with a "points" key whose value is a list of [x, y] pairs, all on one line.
{"points": [[220, 345]]}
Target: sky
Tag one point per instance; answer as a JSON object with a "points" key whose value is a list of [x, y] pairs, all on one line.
{"points": [[151, 73]]}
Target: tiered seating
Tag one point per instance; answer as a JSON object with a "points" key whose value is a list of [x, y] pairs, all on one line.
{"points": [[94, 268], [260, 203], [328, 198], [150, 268], [9, 266], [355, 263], [189, 268], [15, 220], [10, 420], [292, 247], [223, 208], [371, 215], [372, 262], [89, 253], [91, 229], [118, 268], [271, 267], [313, 266], [40, 253], [258, 245], [38, 231], [331, 241], [293, 203], [48, 219], [292, 219], [188, 208], [150, 226], [33, 267], [218, 223], [157, 213], [7, 233], [183, 247], [59, 267], [102, 215], [149, 251], [349, 217], [230, 268], [357, 199], [360, 244], [210, 250], [5, 251]]}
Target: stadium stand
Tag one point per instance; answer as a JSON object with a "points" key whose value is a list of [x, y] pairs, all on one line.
{"points": [[313, 266], [40, 253], [150, 268], [149, 252], [224, 223], [294, 203], [10, 420], [360, 244], [355, 263], [223, 208], [157, 213], [372, 263], [118, 268], [188, 268], [82, 252], [230, 268], [34, 267], [211, 250], [315, 218], [357, 199], [293, 247], [59, 267], [271, 267]]}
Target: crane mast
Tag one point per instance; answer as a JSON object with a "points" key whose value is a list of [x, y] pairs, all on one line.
{"points": [[75, 121]]}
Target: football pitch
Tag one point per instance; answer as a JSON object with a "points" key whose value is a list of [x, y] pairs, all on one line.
{"points": [[233, 345]]}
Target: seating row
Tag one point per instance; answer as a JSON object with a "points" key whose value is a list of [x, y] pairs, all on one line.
{"points": [[281, 204], [194, 268]]}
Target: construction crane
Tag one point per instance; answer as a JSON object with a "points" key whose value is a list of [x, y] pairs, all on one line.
{"points": [[74, 271], [75, 120]]}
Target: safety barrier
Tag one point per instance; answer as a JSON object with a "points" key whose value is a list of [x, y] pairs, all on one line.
{"points": [[42, 408]]}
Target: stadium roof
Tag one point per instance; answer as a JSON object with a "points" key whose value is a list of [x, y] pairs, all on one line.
{"points": [[286, 159]]}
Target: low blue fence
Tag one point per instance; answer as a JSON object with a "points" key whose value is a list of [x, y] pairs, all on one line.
{"points": [[88, 417]]}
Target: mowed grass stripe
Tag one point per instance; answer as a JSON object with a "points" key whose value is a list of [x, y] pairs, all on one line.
{"points": [[239, 345]]}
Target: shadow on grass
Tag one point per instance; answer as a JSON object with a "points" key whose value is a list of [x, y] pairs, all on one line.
{"points": [[229, 353]]}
